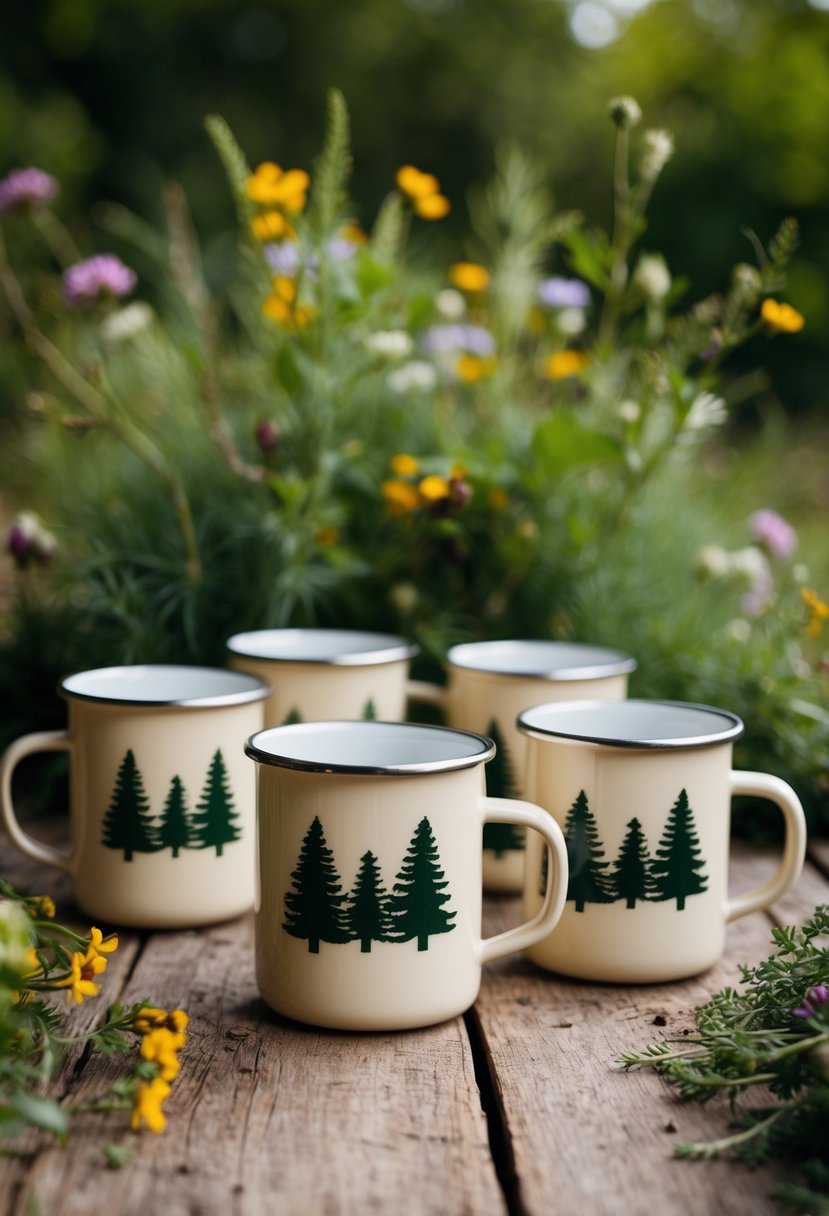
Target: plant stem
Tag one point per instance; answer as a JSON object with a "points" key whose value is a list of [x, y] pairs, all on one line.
{"points": [[621, 239]]}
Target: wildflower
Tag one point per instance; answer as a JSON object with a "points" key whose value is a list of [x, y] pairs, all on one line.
{"points": [[327, 536], [629, 412], [657, 150], [781, 318], [652, 276], [127, 322], [273, 187], [447, 339], [149, 1097], [341, 249], [404, 597], [391, 343], [818, 611], [271, 226], [471, 368], [746, 282], [706, 410], [28, 540], [45, 907], [739, 630], [434, 488], [423, 191], [813, 1001], [750, 562], [460, 491], [15, 938], [625, 112], [281, 305], [80, 980], [160, 1046], [99, 945], [564, 293], [404, 465], [450, 304], [566, 363], [354, 234], [713, 562], [497, 498], [469, 277], [97, 278], [26, 188], [151, 1018], [415, 376], [401, 498], [772, 532], [283, 259], [570, 322], [267, 435]]}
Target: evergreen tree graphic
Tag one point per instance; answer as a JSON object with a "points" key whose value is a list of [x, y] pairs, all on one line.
{"points": [[213, 823], [545, 865], [631, 877], [369, 711], [314, 908], [416, 905], [174, 829], [500, 783], [587, 883], [678, 861], [127, 823], [292, 717], [366, 915]]}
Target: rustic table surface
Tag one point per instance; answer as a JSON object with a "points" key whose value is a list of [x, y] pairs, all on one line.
{"points": [[518, 1108]]}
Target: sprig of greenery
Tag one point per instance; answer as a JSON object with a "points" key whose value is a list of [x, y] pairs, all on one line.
{"points": [[774, 1033]]}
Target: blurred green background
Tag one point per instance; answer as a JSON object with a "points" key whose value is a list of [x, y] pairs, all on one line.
{"points": [[110, 95]]}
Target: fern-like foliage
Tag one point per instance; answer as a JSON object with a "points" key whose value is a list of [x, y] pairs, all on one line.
{"points": [[389, 231], [234, 161], [332, 168]]}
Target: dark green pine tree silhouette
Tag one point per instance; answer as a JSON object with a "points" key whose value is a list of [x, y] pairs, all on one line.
{"points": [[678, 861], [292, 717], [369, 711], [127, 823], [416, 904], [545, 865], [587, 883], [314, 908], [174, 829], [366, 915], [213, 822], [631, 877], [500, 783]]}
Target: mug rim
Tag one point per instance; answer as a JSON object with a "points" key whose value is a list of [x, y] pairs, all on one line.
{"points": [[378, 648], [579, 660], [635, 740], [248, 687], [256, 748]]}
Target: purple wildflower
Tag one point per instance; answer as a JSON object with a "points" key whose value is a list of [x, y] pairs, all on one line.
{"points": [[26, 187], [564, 293], [341, 249], [772, 532], [446, 339], [267, 435], [28, 540], [102, 275], [284, 258], [812, 1001]]}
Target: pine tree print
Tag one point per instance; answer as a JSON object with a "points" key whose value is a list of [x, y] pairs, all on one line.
{"points": [[366, 915], [292, 717], [127, 823], [678, 861], [314, 908], [416, 905], [500, 783], [213, 823], [587, 883], [174, 829], [631, 877], [369, 711]]}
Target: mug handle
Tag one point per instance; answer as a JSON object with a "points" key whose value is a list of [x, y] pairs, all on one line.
{"points": [[428, 694], [43, 741], [527, 814], [764, 785]]}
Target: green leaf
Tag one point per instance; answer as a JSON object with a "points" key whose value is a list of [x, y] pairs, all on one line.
{"points": [[591, 255], [118, 1155], [40, 1112], [560, 443]]}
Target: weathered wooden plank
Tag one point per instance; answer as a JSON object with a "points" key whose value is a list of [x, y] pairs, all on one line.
{"points": [[583, 1134], [819, 854], [269, 1116]]}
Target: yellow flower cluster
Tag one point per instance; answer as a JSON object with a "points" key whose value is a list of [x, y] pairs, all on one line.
{"points": [[818, 611], [282, 307], [474, 368], [85, 965], [163, 1037], [781, 318], [566, 363], [404, 496], [279, 193], [423, 192], [469, 277]]}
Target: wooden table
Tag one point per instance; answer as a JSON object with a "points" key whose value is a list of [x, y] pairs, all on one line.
{"points": [[517, 1108]]}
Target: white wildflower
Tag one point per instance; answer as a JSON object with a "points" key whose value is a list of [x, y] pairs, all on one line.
{"points": [[713, 562], [625, 112], [750, 562], [390, 343], [652, 276], [415, 376], [706, 411], [404, 597], [450, 304], [570, 321], [127, 322], [657, 150], [629, 412], [739, 630]]}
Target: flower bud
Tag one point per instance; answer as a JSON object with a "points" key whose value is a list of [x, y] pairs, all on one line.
{"points": [[267, 435], [625, 112]]}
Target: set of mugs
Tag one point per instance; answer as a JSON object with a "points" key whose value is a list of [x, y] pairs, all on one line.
{"points": [[357, 835]]}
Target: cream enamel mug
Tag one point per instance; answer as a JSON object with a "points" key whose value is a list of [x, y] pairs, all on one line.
{"points": [[490, 683], [369, 893], [642, 791], [162, 799]]}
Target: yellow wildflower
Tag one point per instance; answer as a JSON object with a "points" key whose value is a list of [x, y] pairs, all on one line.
{"points": [[161, 1047], [328, 536], [472, 368], [782, 318], [401, 498], [97, 944], [404, 465], [149, 1096], [46, 906], [276, 310], [458, 471], [498, 498], [150, 1018], [80, 980], [271, 186], [355, 234], [271, 226], [432, 207], [566, 363], [284, 288], [818, 611], [469, 276], [434, 488], [415, 184], [32, 964]]}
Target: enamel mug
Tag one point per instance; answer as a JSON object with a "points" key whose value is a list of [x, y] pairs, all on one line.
{"points": [[162, 799], [369, 912], [318, 674], [642, 790], [489, 684]]}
